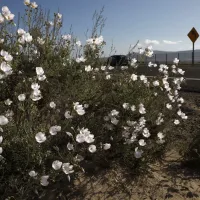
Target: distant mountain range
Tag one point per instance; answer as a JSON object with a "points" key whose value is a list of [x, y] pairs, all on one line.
{"points": [[164, 52]]}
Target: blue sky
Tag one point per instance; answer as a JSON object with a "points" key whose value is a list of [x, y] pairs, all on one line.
{"points": [[164, 23]]}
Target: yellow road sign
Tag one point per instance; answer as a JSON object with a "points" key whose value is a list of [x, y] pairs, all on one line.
{"points": [[193, 35]]}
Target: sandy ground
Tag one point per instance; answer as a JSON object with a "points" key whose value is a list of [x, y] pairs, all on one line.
{"points": [[171, 179]]}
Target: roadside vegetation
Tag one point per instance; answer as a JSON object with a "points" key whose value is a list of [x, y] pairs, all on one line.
{"points": [[63, 112]]}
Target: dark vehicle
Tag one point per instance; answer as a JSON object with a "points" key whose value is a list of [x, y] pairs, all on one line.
{"points": [[118, 60]]}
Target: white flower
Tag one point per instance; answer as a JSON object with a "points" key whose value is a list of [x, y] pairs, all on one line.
{"points": [[6, 67], [1, 139], [8, 58], [34, 5], [4, 53], [21, 40], [143, 78], [99, 40], [133, 108], [181, 100], [27, 37], [22, 97], [124, 67], [10, 17], [156, 83], [176, 61], [40, 41], [80, 138], [141, 51], [133, 62], [142, 142], [179, 112], [134, 77], [160, 135], [176, 122], [90, 41], [59, 15], [111, 68], [146, 133], [78, 43], [126, 106], [50, 23], [44, 180], [85, 136], [21, 31], [3, 120], [103, 68], [78, 158], [180, 71], [56, 164], [148, 52], [169, 106], [27, 2], [114, 120], [88, 68], [52, 105], [80, 59], [70, 146], [142, 110], [54, 130], [114, 113], [67, 168], [5, 10], [32, 174], [89, 138], [8, 102], [39, 71], [1, 151], [66, 37], [92, 148], [150, 64], [36, 95], [40, 137], [138, 153], [67, 115], [108, 77], [79, 108], [35, 86], [106, 146], [41, 77]]}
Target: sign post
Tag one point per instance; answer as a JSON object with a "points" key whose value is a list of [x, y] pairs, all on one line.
{"points": [[193, 35]]}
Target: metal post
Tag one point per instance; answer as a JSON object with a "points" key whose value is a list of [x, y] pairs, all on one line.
{"points": [[193, 55], [166, 58], [178, 55], [155, 58]]}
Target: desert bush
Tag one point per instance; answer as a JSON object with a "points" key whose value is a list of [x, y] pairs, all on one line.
{"points": [[61, 108]]}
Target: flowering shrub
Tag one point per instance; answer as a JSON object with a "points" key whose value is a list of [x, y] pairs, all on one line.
{"points": [[62, 108]]}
